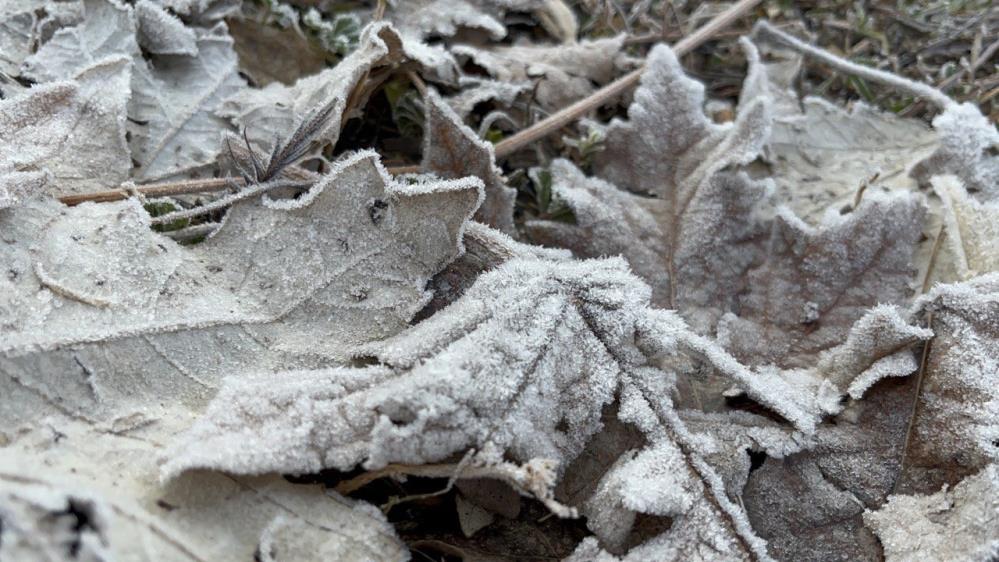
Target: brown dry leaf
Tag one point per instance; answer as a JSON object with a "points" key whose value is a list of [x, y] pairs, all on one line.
{"points": [[452, 150], [817, 282], [955, 424], [271, 54]]}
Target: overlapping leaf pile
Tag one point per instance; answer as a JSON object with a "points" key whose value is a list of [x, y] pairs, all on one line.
{"points": [[771, 338]]}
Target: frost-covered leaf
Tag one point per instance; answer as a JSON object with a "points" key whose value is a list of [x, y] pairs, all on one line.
{"points": [[88, 494], [423, 19], [461, 379], [955, 427], [959, 524], [107, 29], [272, 111], [343, 264], [822, 157], [817, 281], [563, 73], [162, 33], [475, 90], [175, 106], [810, 505], [717, 236], [695, 238], [968, 145], [452, 150], [114, 337], [23, 22], [66, 137]]}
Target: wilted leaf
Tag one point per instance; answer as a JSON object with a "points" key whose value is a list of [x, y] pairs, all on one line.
{"points": [[452, 150], [66, 137], [960, 524], [268, 53]]}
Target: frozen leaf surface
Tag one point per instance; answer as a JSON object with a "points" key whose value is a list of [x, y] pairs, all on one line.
{"points": [[968, 141], [177, 103], [692, 231], [956, 420], [162, 33], [817, 281], [68, 136], [107, 29], [959, 524], [452, 150], [443, 18]]}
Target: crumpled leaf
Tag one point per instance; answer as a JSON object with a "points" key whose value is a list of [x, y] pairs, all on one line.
{"points": [[475, 90], [700, 232], [564, 73], [955, 425], [107, 29], [452, 150], [66, 137], [959, 524], [578, 325], [824, 279], [162, 33], [177, 103]]}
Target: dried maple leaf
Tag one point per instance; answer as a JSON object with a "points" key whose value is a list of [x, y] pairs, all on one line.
{"points": [[816, 282], [452, 150], [699, 234], [960, 524], [66, 137]]}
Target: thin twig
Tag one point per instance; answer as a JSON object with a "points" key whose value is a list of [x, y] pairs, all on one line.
{"points": [[867, 73], [561, 118], [251, 191]]}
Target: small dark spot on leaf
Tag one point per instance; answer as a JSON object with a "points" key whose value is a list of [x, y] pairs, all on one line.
{"points": [[165, 505], [376, 210]]}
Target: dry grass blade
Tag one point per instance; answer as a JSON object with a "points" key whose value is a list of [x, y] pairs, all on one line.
{"points": [[287, 153]]}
